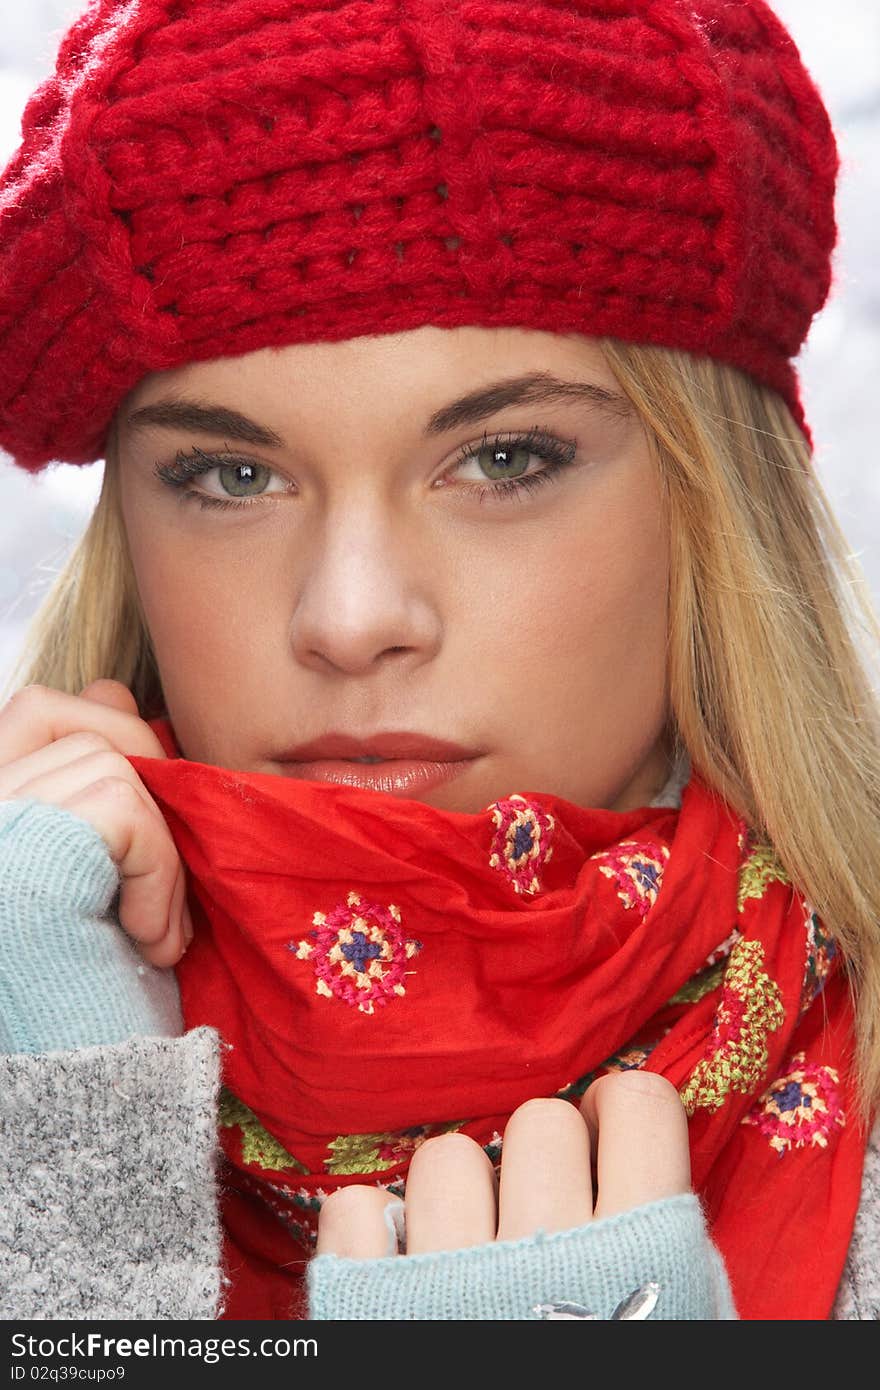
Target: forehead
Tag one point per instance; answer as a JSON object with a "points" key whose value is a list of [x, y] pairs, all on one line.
{"points": [[422, 364]]}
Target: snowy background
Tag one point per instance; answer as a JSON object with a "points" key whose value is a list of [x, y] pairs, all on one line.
{"points": [[43, 517]]}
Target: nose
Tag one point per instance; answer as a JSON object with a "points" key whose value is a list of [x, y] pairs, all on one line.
{"points": [[366, 596]]}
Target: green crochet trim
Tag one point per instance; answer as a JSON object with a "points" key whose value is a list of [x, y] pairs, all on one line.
{"points": [[374, 1153], [738, 1055], [700, 985], [257, 1144], [761, 868]]}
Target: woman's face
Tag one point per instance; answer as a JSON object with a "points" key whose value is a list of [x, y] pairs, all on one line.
{"points": [[399, 562]]}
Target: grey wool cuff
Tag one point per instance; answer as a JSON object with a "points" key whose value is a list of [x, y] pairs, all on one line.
{"points": [[108, 1190], [858, 1297]]}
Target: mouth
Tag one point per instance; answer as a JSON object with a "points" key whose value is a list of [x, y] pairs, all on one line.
{"points": [[399, 776], [402, 762]]}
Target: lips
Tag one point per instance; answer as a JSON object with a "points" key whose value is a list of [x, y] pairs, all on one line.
{"points": [[410, 762], [390, 745]]}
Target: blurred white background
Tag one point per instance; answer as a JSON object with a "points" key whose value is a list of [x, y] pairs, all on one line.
{"points": [[43, 517]]}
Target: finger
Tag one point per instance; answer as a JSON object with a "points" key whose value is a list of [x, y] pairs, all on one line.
{"points": [[545, 1170], [111, 693], [73, 773], [642, 1148], [161, 924], [57, 784], [169, 950], [17, 775], [36, 716], [450, 1195], [355, 1222], [152, 902]]}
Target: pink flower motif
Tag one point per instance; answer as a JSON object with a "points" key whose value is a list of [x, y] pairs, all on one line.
{"points": [[359, 953], [821, 955], [637, 869], [800, 1109], [521, 843]]}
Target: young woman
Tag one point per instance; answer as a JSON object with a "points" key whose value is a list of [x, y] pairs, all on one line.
{"points": [[457, 694]]}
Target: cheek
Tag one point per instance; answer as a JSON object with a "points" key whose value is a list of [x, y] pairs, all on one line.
{"points": [[585, 607], [583, 697], [200, 609], [620, 594]]}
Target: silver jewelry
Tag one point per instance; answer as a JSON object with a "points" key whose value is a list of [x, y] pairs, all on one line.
{"points": [[637, 1306]]}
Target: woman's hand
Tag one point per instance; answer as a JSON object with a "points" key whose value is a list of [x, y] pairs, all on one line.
{"points": [[70, 751], [630, 1129]]}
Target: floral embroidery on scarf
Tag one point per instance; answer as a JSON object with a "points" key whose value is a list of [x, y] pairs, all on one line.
{"points": [[821, 954], [800, 1109], [359, 953], [493, 1148], [709, 975], [630, 1058], [296, 1210], [637, 868], [699, 985], [760, 868], [722, 952], [573, 1090], [521, 843], [307, 1200], [373, 1153], [257, 1144], [737, 1057]]}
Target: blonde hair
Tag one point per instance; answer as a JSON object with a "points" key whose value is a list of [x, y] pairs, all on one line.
{"points": [[91, 623], [770, 630]]}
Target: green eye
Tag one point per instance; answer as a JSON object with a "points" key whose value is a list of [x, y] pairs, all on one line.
{"points": [[241, 474], [503, 460]]}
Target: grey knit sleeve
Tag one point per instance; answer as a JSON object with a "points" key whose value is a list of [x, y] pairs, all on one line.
{"points": [[858, 1296], [108, 1188]]}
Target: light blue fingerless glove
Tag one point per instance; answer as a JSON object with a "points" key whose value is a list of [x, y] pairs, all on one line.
{"points": [[69, 975], [598, 1267]]}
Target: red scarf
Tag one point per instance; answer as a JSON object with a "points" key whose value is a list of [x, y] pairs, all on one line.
{"points": [[382, 970]]}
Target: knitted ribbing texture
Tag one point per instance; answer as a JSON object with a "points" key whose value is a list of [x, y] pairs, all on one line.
{"points": [[597, 1267], [69, 975], [204, 178]]}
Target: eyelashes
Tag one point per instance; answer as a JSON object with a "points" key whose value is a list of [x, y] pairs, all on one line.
{"points": [[557, 454]]}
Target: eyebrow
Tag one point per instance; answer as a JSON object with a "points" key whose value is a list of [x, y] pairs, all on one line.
{"points": [[534, 388]]}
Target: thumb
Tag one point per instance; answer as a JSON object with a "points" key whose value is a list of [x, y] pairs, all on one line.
{"points": [[112, 693]]}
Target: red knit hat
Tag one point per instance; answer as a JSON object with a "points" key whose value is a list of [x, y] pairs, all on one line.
{"points": [[202, 178]]}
